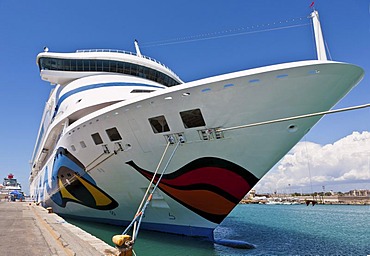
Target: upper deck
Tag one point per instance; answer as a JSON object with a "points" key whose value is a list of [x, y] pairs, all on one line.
{"points": [[61, 68]]}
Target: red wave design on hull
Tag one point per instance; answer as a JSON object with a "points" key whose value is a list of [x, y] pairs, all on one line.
{"points": [[209, 186]]}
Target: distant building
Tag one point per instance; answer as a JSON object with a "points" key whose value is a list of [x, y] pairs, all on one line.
{"points": [[359, 192], [358, 196]]}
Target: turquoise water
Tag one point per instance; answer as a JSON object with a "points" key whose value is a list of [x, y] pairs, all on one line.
{"points": [[273, 229]]}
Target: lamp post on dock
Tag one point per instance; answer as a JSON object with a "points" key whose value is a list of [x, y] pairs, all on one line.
{"points": [[323, 194]]}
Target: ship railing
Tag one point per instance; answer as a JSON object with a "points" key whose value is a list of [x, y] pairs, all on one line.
{"points": [[125, 52]]}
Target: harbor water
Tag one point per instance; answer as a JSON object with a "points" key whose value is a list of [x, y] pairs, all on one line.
{"points": [[273, 229]]}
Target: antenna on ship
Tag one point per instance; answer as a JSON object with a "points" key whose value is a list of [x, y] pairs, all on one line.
{"points": [[138, 53], [319, 39]]}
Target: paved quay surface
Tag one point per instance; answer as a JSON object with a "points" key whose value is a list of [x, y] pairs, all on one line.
{"points": [[28, 229]]}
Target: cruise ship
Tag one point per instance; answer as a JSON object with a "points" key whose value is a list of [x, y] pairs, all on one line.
{"points": [[10, 185], [116, 120]]}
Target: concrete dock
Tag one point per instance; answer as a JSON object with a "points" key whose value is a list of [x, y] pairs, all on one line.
{"points": [[28, 229]]}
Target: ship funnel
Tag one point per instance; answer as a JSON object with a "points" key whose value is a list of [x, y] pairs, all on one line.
{"points": [[138, 53], [319, 39]]}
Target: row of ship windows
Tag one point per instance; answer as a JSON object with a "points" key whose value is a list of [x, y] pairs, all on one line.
{"points": [[190, 118], [106, 66]]}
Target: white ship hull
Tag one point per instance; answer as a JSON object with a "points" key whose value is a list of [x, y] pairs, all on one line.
{"points": [[209, 173]]}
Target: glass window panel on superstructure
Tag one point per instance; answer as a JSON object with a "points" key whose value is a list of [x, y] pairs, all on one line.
{"points": [[92, 65], [106, 65], [79, 65], [120, 67], [73, 65], [53, 64], [141, 71], [67, 65], [99, 65], [59, 64], [113, 66], [134, 70], [86, 65], [127, 68]]}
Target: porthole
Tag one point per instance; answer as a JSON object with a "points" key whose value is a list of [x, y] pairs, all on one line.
{"points": [[254, 81], [313, 72], [292, 128], [282, 76]]}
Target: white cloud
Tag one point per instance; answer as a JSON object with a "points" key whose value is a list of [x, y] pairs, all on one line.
{"points": [[343, 162]]}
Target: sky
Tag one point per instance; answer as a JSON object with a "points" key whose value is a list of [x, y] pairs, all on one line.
{"points": [[196, 39]]}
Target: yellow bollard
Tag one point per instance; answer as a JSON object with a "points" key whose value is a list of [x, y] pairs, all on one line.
{"points": [[124, 244]]}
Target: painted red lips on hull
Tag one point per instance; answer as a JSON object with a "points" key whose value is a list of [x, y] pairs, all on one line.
{"points": [[211, 187]]}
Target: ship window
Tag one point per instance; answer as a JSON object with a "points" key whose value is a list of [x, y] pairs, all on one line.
{"points": [[73, 65], [53, 64], [99, 65], [133, 70], [159, 124], [92, 65], [86, 66], [142, 72], [79, 65], [192, 118], [120, 67], [60, 64], [67, 65], [97, 139], [127, 68], [73, 148], [113, 134], [113, 66], [82, 143], [107, 66]]}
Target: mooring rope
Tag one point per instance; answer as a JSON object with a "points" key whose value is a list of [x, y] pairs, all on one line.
{"points": [[150, 184], [155, 187], [141, 210], [294, 117]]}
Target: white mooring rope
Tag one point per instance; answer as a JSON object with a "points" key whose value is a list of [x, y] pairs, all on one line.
{"points": [[141, 209], [294, 118]]}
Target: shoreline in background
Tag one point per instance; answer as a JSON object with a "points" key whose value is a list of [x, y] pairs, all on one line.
{"points": [[353, 197]]}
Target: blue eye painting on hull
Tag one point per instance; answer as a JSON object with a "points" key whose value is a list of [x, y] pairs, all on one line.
{"points": [[70, 183]]}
